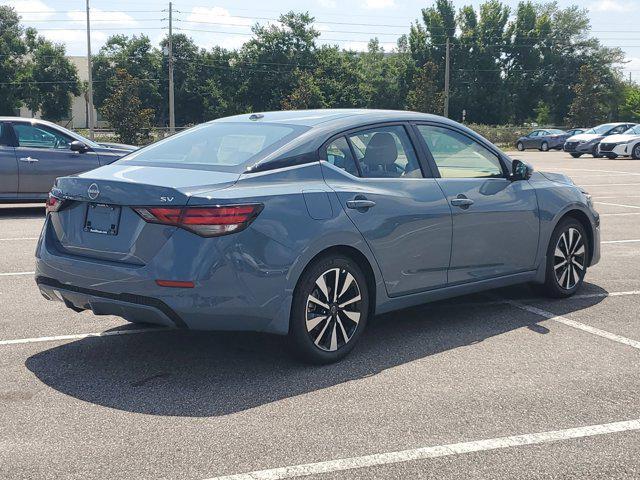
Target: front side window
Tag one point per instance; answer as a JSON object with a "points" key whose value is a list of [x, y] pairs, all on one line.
{"points": [[385, 152], [458, 156], [535, 133], [36, 136], [619, 129], [339, 155]]}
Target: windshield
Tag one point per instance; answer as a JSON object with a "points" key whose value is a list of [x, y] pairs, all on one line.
{"points": [[216, 145], [601, 129], [555, 131], [633, 131]]}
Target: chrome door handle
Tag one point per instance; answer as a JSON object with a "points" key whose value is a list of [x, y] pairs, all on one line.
{"points": [[28, 159], [360, 204], [462, 202]]}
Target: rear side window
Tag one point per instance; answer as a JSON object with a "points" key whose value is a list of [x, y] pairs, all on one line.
{"points": [[458, 156], [385, 152], [224, 145], [339, 155]]}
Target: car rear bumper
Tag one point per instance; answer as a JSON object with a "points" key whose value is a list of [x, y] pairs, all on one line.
{"points": [[232, 290], [134, 308]]}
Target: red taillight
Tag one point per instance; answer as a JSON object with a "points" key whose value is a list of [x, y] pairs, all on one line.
{"points": [[174, 284], [53, 203], [205, 221]]}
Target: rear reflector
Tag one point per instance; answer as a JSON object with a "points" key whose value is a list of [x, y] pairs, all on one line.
{"points": [[174, 284], [204, 221]]}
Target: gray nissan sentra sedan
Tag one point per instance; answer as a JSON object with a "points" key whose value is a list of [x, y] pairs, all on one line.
{"points": [[307, 223]]}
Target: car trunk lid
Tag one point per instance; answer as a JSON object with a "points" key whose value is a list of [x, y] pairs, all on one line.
{"points": [[98, 221]]}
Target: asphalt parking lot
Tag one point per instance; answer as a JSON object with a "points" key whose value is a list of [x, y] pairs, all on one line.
{"points": [[499, 385]]}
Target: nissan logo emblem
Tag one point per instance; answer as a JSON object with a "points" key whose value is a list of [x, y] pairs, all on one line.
{"points": [[93, 191]]}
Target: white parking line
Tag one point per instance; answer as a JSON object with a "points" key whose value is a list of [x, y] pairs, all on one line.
{"points": [[619, 214], [609, 242], [80, 336], [611, 185], [598, 197], [13, 274], [592, 170], [18, 238], [618, 204], [425, 453], [572, 323]]}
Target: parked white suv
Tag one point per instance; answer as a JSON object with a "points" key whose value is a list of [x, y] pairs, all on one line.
{"points": [[626, 144]]}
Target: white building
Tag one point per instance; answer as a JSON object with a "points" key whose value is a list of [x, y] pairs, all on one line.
{"points": [[79, 114]]}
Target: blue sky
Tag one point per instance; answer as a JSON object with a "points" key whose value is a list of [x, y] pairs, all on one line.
{"points": [[349, 23]]}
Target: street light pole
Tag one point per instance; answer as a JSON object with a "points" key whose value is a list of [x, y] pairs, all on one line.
{"points": [[90, 92]]}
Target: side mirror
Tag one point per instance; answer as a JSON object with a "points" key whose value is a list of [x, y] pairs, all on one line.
{"points": [[520, 170], [78, 146]]}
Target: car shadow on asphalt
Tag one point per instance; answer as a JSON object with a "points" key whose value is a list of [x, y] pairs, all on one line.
{"points": [[202, 374]]}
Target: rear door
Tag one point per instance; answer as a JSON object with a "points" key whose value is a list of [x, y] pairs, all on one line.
{"points": [[399, 208], [531, 140], [44, 154], [8, 164], [495, 220]]}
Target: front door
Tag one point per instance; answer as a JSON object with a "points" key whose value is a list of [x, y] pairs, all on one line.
{"points": [[403, 216], [8, 165], [44, 154], [495, 220]]}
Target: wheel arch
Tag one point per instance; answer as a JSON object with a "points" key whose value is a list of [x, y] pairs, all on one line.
{"points": [[584, 220], [361, 260]]}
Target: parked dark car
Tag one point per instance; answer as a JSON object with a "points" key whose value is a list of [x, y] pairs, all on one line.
{"points": [[307, 223], [588, 141], [33, 153], [543, 139]]}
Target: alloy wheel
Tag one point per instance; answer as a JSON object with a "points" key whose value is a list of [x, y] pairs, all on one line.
{"points": [[636, 152], [333, 309], [569, 259], [544, 147]]}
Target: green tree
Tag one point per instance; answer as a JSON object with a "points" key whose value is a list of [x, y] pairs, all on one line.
{"points": [[12, 48], [630, 109], [595, 98], [139, 59], [306, 93], [268, 61], [124, 111], [52, 79], [425, 95]]}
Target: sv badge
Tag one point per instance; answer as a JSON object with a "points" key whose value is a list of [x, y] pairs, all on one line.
{"points": [[167, 199]]}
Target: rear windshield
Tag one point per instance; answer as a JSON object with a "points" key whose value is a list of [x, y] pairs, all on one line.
{"points": [[217, 146]]}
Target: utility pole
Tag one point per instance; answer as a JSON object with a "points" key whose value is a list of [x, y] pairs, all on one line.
{"points": [[90, 92], [172, 114], [446, 80]]}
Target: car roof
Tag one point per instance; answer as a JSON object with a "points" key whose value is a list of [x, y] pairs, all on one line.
{"points": [[330, 117], [30, 120]]}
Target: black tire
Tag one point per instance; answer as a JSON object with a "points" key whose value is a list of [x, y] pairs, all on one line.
{"points": [[612, 157], [544, 147], [561, 281], [520, 146], [332, 333], [594, 152], [576, 155], [635, 153]]}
